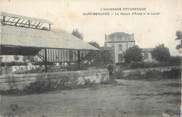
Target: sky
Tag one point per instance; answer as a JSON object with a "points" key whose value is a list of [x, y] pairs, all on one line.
{"points": [[149, 30]]}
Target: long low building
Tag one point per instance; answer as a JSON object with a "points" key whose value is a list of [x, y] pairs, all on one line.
{"points": [[21, 35]]}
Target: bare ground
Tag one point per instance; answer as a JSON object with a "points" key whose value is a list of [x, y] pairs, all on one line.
{"points": [[125, 98]]}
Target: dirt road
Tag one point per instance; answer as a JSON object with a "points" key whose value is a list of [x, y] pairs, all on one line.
{"points": [[124, 99]]}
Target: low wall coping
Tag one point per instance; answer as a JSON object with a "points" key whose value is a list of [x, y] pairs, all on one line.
{"points": [[50, 73]]}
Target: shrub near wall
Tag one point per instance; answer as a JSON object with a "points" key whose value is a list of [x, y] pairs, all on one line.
{"points": [[150, 75]]}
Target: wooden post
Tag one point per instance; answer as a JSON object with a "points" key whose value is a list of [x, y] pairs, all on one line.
{"points": [[78, 59], [45, 60], [49, 27], [29, 23], [3, 20]]}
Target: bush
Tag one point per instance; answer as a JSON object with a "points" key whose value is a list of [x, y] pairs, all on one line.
{"points": [[149, 65], [110, 69], [117, 75], [161, 53], [175, 73], [38, 87], [174, 60], [143, 65], [151, 75], [42, 85], [133, 54]]}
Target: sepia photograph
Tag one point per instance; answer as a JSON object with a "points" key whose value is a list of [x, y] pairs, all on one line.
{"points": [[90, 58]]}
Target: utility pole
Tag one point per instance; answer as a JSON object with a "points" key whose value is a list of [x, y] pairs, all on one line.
{"points": [[1, 97], [45, 61], [79, 59]]}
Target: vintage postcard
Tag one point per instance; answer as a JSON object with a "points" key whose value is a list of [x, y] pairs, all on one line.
{"points": [[90, 58]]}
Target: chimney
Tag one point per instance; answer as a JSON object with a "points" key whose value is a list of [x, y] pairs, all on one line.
{"points": [[105, 36], [132, 35], [105, 39]]}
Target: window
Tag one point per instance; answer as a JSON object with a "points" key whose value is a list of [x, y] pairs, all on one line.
{"points": [[120, 47], [120, 57], [145, 55]]}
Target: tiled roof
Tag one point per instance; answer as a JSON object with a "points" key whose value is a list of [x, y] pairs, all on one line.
{"points": [[120, 36], [26, 37]]}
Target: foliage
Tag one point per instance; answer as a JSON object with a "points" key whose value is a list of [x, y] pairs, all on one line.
{"points": [[179, 37], [110, 69], [95, 44], [43, 84], [1, 58], [77, 34], [161, 53], [133, 54], [14, 110], [101, 57], [175, 73], [16, 57], [11, 83], [105, 57], [174, 60], [12, 64], [28, 58], [147, 65], [150, 75], [143, 65]]}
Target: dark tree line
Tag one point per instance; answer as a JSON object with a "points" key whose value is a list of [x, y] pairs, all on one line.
{"points": [[133, 54], [161, 53], [179, 38]]}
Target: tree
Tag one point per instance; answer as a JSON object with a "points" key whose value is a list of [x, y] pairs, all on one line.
{"points": [[101, 57], [105, 56], [28, 58], [16, 58], [133, 54], [179, 37], [95, 44], [77, 34], [1, 58], [161, 53]]}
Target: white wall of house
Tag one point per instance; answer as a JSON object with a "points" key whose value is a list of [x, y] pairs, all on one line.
{"points": [[119, 44], [147, 55]]}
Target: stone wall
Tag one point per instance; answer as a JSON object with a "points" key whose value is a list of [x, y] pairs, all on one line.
{"points": [[72, 78], [151, 69]]}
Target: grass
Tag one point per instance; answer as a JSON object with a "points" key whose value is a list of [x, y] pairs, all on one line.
{"points": [[123, 99]]}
